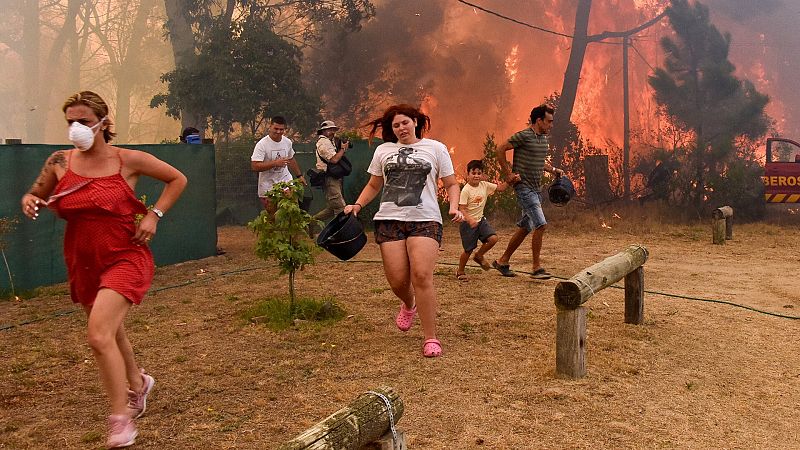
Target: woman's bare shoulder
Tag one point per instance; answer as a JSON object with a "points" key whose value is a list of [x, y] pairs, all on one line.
{"points": [[58, 159], [135, 157]]}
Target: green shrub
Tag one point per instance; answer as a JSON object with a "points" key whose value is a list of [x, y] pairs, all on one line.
{"points": [[277, 314]]}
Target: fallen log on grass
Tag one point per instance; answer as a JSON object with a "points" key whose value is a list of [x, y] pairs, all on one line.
{"points": [[362, 422]]}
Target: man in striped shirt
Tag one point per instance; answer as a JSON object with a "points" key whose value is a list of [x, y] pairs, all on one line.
{"points": [[530, 149]]}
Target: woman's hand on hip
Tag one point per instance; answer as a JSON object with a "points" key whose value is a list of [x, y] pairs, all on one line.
{"points": [[146, 229]]}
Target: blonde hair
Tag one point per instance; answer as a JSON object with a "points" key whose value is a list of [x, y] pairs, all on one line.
{"points": [[97, 105]]}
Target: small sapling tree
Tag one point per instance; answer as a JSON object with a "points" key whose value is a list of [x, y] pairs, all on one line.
{"points": [[283, 236]]}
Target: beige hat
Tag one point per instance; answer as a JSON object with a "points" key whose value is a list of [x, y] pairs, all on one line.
{"points": [[327, 125]]}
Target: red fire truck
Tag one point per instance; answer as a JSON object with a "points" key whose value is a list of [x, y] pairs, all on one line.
{"points": [[782, 171]]}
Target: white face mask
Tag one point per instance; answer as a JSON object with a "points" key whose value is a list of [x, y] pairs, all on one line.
{"points": [[81, 136]]}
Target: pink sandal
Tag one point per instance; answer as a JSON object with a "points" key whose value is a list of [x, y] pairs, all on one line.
{"points": [[405, 318], [432, 348]]}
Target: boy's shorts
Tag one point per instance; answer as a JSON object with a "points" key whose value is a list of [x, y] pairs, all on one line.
{"points": [[470, 236], [397, 230], [530, 202]]}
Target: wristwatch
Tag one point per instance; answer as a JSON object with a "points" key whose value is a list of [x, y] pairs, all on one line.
{"points": [[157, 212]]}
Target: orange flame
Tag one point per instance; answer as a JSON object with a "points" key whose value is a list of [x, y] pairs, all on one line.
{"points": [[512, 60]]}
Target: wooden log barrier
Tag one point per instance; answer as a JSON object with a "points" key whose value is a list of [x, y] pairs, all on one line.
{"points": [[571, 294], [577, 290], [722, 224], [571, 342], [363, 421], [634, 296]]}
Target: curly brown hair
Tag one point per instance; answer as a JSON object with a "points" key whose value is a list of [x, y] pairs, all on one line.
{"points": [[97, 105], [385, 122]]}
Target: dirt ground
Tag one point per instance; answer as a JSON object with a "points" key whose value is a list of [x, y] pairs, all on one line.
{"points": [[694, 375]]}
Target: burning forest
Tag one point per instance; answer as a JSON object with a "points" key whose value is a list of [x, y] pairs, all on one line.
{"points": [[476, 67], [479, 67]]}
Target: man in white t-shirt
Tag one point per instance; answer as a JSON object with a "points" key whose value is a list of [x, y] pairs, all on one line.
{"points": [[273, 159]]}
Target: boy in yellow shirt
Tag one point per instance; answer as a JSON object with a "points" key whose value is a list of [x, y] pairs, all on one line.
{"points": [[475, 227]]}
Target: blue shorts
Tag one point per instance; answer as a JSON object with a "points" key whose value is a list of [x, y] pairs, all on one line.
{"points": [[530, 202], [470, 236]]}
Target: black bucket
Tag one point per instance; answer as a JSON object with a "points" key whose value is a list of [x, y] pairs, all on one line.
{"points": [[561, 191], [343, 237]]}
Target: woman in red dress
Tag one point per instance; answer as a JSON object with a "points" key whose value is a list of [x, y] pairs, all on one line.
{"points": [[109, 263]]}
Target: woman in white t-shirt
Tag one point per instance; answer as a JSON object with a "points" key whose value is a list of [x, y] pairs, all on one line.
{"points": [[408, 225]]}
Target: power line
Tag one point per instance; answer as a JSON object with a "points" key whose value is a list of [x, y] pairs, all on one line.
{"points": [[368, 261], [641, 56], [514, 20]]}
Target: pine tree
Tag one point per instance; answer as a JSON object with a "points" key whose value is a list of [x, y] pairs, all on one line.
{"points": [[697, 88]]}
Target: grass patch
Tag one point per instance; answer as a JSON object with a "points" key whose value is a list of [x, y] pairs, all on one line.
{"points": [[275, 312], [466, 328], [91, 436], [20, 367]]}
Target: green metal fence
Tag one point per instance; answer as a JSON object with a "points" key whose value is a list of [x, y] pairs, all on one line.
{"points": [[221, 190], [237, 200], [34, 249]]}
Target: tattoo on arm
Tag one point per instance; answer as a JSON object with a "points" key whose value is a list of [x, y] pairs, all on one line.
{"points": [[57, 159], [39, 183]]}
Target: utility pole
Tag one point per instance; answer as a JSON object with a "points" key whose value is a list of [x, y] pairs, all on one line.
{"points": [[626, 119], [572, 77]]}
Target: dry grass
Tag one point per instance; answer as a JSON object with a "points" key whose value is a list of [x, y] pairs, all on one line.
{"points": [[695, 375]]}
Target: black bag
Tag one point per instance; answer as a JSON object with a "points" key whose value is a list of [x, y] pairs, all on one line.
{"points": [[340, 169], [316, 177]]}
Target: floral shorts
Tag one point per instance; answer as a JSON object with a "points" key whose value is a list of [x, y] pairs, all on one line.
{"points": [[396, 230]]}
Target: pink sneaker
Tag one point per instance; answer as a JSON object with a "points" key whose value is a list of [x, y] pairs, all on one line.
{"points": [[137, 401], [121, 431]]}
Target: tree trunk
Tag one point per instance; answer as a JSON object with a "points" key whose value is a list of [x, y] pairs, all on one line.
{"points": [[700, 186], [291, 294], [183, 43], [67, 34], [73, 64], [598, 187], [569, 89], [34, 109], [128, 65]]}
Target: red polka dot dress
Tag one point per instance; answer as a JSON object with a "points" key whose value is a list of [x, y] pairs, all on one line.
{"points": [[98, 250]]}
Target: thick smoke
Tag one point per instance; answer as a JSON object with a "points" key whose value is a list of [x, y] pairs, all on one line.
{"points": [[411, 52], [451, 58], [764, 49]]}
